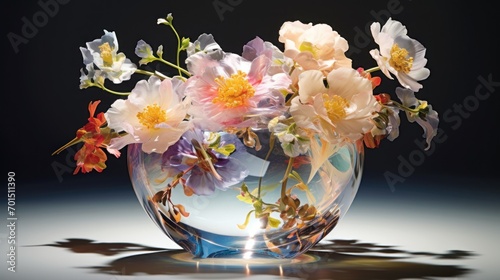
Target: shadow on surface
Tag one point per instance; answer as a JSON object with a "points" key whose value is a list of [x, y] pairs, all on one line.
{"points": [[333, 259], [353, 246], [79, 245]]}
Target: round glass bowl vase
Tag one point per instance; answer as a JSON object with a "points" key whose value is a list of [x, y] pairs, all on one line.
{"points": [[276, 208]]}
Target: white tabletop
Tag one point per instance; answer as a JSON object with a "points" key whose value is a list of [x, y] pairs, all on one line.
{"points": [[408, 234]]}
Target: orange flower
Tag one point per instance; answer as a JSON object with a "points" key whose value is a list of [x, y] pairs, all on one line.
{"points": [[95, 136], [93, 127], [90, 157], [375, 80], [371, 141], [383, 98]]}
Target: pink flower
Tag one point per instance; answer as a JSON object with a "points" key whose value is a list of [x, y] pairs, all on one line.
{"points": [[233, 92]]}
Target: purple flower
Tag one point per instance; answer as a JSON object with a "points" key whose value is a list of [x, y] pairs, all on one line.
{"points": [[208, 161], [257, 47]]}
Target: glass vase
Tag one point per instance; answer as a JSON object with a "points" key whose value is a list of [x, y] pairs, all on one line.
{"points": [[279, 208]]}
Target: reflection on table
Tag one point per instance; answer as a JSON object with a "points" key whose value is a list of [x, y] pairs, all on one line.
{"points": [[333, 259]]}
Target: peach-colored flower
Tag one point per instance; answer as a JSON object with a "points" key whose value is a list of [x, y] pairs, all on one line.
{"points": [[314, 47], [343, 109]]}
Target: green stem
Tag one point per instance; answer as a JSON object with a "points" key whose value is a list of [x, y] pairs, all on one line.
{"points": [[111, 91], [74, 141], [181, 70], [285, 179], [271, 147], [178, 49], [144, 72], [403, 107], [269, 204], [156, 73], [373, 69]]}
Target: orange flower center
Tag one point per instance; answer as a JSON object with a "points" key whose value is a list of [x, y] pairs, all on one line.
{"points": [[335, 107], [106, 55], [151, 116], [399, 59], [233, 91]]}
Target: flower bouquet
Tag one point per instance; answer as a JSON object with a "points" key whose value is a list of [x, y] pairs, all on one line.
{"points": [[251, 154]]}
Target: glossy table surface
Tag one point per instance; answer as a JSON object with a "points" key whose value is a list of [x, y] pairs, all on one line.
{"points": [[400, 235]]}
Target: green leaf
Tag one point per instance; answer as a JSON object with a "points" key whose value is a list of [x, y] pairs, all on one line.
{"points": [[269, 209], [303, 187], [247, 220], [244, 188], [147, 60], [247, 198], [296, 176], [268, 188], [258, 208], [226, 150], [272, 222], [213, 140]]}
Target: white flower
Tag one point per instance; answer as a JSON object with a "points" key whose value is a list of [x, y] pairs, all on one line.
{"points": [[205, 43], [399, 54], [90, 76], [343, 109], [293, 140], [145, 52], [161, 21], [104, 54], [152, 115], [167, 20]]}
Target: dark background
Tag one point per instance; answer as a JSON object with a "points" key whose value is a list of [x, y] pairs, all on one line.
{"points": [[42, 104]]}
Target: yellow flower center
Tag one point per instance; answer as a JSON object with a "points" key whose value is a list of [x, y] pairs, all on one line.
{"points": [[400, 60], [335, 107], [106, 55], [151, 116], [309, 47], [233, 91]]}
